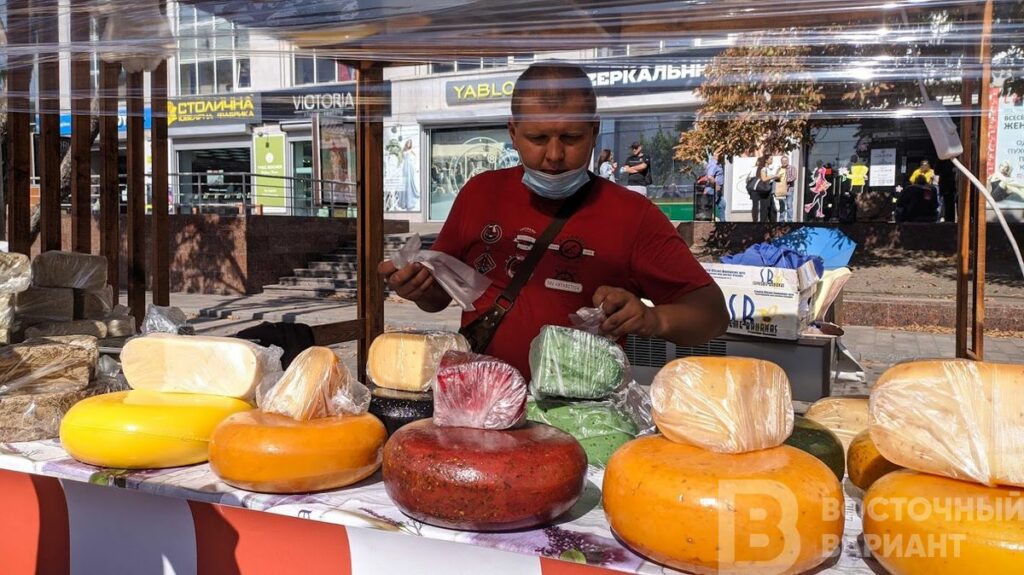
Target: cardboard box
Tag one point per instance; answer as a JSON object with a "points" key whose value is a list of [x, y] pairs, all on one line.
{"points": [[767, 302]]}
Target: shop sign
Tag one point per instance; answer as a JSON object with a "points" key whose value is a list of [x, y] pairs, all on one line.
{"points": [[458, 92], [303, 103], [883, 167], [269, 164], [214, 110]]}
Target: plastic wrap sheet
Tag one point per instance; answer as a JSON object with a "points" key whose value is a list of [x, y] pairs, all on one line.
{"points": [[15, 273], [479, 391], [42, 305], [723, 404], [572, 363], [48, 364], [408, 360], [459, 280], [94, 304], [97, 329], [955, 418], [35, 412], [69, 270], [316, 385], [7, 320], [160, 319]]}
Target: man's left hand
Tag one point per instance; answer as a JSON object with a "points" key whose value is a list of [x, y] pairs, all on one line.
{"points": [[626, 314]]}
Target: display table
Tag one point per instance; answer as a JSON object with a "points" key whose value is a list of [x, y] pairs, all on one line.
{"points": [[63, 516]]}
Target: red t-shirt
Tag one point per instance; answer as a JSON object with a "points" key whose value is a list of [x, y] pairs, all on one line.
{"points": [[616, 238]]}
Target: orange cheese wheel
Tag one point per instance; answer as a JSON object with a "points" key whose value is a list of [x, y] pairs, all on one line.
{"points": [[864, 463], [272, 453], [915, 523], [778, 510]]}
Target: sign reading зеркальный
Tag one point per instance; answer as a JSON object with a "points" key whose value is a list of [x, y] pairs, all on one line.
{"points": [[214, 110]]}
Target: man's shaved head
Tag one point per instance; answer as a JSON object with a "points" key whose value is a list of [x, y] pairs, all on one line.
{"points": [[551, 86]]}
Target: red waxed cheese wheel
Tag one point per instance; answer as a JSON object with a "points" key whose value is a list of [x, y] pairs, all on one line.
{"points": [[483, 479]]}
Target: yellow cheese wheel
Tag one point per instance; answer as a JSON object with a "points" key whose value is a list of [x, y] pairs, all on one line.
{"points": [[843, 416], [272, 453], [141, 429], [777, 511], [864, 463], [915, 523]]}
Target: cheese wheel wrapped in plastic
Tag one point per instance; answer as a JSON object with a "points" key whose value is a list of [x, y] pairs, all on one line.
{"points": [[955, 418], [478, 391], [723, 404], [571, 363], [844, 416], [316, 384], [407, 361]]}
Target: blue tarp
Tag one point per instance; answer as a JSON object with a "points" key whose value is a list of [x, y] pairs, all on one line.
{"points": [[833, 246], [767, 255]]}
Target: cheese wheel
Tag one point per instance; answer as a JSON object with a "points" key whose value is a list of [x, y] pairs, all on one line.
{"points": [[141, 429], [843, 416], [272, 453], [815, 439], [723, 404], [916, 523], [775, 511], [398, 408], [954, 418], [865, 464], [195, 364], [407, 361], [483, 479]]}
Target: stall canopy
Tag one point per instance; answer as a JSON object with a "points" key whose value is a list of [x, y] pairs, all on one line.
{"points": [[773, 68]]}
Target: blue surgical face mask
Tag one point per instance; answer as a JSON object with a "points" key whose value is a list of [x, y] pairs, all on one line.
{"points": [[555, 186]]}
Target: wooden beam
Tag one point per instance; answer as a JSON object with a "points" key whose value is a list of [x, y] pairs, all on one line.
{"points": [[19, 138], [110, 190], [340, 332], [370, 219], [136, 197], [81, 153], [964, 221], [49, 129], [981, 247], [160, 264]]}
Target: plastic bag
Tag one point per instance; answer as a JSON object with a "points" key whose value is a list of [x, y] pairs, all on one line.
{"points": [[408, 360], [15, 273], [36, 413], [459, 280], [69, 270], [107, 366], [955, 418], [316, 384], [160, 319], [600, 426], [723, 404], [589, 319], [478, 391], [42, 305], [571, 363], [97, 329], [48, 364]]}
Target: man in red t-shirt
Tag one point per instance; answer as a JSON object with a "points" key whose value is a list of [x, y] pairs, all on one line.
{"points": [[616, 248]]}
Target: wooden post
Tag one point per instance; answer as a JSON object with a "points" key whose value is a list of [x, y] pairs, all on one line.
{"points": [[981, 247], [136, 197], [370, 239], [81, 154], [160, 264], [49, 129], [17, 164], [965, 221], [110, 190]]}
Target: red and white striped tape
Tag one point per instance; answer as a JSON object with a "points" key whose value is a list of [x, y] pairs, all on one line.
{"points": [[58, 527]]}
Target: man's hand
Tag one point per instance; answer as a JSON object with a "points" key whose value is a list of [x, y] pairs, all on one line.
{"points": [[626, 314], [416, 284]]}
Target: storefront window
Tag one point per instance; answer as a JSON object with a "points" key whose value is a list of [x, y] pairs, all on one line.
{"points": [[319, 70], [456, 155]]}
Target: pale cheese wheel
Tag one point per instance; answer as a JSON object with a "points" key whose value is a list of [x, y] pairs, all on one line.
{"points": [[843, 416], [271, 453], [723, 404], [408, 361], [916, 523], [140, 429], [954, 418], [196, 364], [702, 512]]}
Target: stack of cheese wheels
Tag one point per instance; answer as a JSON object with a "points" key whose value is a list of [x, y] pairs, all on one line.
{"points": [[475, 466], [401, 367], [697, 497], [294, 443], [183, 386], [958, 428]]}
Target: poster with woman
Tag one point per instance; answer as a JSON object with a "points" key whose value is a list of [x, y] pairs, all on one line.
{"points": [[401, 168], [1006, 150], [337, 161]]}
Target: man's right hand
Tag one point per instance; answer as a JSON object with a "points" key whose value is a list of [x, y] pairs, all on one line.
{"points": [[416, 284]]}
